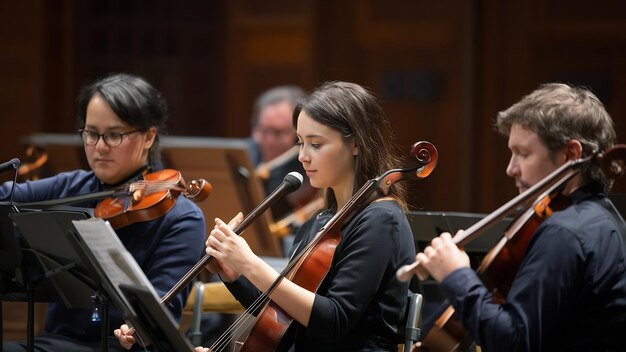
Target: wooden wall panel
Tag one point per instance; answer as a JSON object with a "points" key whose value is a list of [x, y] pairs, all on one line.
{"points": [[176, 46], [443, 70], [412, 55], [21, 70], [502, 73], [271, 44], [22, 67]]}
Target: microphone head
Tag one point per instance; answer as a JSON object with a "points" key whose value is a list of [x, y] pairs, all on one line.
{"points": [[12, 164], [293, 180], [16, 163]]}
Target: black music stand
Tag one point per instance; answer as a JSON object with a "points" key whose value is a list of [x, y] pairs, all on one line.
{"points": [[127, 285], [150, 319], [42, 265], [427, 225]]}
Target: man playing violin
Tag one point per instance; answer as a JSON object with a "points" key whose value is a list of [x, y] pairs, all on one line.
{"points": [[119, 120], [570, 291]]}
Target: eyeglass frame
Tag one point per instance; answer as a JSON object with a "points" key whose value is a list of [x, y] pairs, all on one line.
{"points": [[82, 131]]}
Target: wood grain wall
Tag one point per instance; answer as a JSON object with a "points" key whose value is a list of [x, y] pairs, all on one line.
{"points": [[442, 69]]}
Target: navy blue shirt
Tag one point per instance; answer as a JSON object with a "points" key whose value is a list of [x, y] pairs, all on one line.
{"points": [[360, 304], [165, 248], [569, 293]]}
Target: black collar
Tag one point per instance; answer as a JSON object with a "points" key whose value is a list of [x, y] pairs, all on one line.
{"points": [[585, 192]]}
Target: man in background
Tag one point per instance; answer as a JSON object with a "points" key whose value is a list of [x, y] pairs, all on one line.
{"points": [[272, 144]]}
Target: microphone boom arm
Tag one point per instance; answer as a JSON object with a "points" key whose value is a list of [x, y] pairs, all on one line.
{"points": [[290, 183]]}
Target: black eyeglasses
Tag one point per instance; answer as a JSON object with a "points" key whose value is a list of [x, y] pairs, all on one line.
{"points": [[112, 139]]}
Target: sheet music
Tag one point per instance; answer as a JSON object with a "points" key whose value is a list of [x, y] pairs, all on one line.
{"points": [[117, 263], [121, 269]]}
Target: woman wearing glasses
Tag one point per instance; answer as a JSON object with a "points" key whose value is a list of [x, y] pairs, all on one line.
{"points": [[119, 120]]}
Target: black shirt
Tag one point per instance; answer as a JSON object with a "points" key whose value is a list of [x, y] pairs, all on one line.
{"points": [[569, 293], [360, 303]]}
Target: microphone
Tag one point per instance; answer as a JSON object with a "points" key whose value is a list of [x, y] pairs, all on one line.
{"points": [[10, 165], [291, 182]]}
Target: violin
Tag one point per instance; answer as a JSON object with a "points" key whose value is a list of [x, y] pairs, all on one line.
{"points": [[137, 201], [309, 267], [499, 266], [149, 198]]}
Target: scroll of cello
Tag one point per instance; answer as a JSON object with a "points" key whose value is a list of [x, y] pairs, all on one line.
{"points": [[498, 268]]}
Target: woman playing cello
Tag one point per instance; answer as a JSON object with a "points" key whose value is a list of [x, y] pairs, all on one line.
{"points": [[570, 291], [344, 141], [119, 120]]}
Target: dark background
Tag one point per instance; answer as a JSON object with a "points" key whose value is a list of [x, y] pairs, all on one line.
{"points": [[442, 69]]}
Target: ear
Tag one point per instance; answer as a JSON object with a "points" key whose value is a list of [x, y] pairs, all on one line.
{"points": [[355, 150], [149, 137], [573, 150]]}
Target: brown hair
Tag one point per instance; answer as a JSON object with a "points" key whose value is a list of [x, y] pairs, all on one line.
{"points": [[354, 112], [559, 113]]}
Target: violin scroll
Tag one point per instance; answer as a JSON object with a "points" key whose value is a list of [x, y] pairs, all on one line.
{"points": [[198, 190], [425, 154], [613, 161]]}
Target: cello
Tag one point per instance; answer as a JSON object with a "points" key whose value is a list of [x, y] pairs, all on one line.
{"points": [[309, 267], [499, 266]]}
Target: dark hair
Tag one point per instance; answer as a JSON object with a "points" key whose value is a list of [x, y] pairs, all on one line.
{"points": [[354, 112], [291, 94], [134, 101], [559, 113]]}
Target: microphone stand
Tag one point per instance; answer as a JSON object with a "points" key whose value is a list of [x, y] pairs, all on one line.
{"points": [[14, 164], [30, 287]]}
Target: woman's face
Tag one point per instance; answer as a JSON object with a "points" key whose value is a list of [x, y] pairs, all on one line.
{"points": [[115, 164], [325, 155]]}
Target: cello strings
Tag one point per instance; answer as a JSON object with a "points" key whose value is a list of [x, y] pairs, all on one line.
{"points": [[244, 320]]}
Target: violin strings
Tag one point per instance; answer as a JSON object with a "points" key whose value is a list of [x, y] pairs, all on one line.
{"points": [[152, 186]]}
